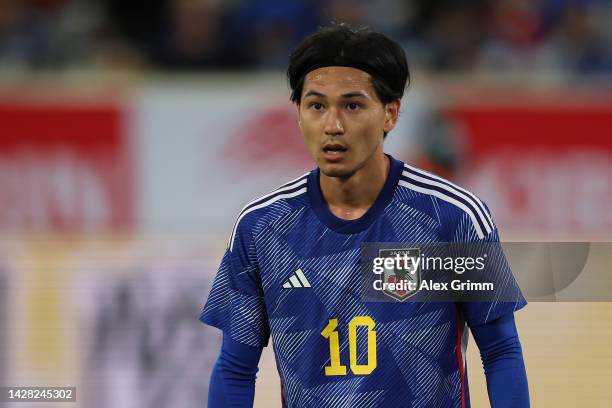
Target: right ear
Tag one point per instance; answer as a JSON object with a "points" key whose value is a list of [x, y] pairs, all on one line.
{"points": [[297, 106]]}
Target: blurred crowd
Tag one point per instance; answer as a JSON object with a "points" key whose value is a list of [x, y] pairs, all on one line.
{"points": [[571, 36]]}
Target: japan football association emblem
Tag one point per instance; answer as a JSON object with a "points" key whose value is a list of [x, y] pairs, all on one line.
{"points": [[403, 279]]}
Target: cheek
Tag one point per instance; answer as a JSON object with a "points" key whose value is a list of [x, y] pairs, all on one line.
{"points": [[306, 130], [309, 134], [369, 129]]}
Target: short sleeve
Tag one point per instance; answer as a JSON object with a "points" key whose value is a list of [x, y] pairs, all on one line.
{"points": [[498, 268], [236, 302]]}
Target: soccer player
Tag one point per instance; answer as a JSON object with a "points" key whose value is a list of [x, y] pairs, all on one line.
{"points": [[291, 268]]}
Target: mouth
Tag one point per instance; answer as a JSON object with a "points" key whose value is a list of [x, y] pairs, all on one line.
{"points": [[334, 148], [333, 151]]}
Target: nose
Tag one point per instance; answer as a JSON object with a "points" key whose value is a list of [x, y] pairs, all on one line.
{"points": [[333, 123]]}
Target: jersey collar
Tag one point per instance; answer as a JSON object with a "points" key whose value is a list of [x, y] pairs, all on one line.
{"points": [[340, 225]]}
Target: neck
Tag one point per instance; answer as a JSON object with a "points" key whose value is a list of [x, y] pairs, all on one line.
{"points": [[351, 197]]}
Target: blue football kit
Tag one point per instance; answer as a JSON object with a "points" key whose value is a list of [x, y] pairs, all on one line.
{"points": [[291, 271]]}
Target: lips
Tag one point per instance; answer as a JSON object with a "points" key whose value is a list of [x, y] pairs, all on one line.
{"points": [[334, 147], [334, 151]]}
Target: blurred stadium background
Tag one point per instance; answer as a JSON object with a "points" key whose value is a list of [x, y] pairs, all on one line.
{"points": [[133, 132]]}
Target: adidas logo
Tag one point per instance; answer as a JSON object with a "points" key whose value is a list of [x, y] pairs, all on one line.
{"points": [[297, 280]]}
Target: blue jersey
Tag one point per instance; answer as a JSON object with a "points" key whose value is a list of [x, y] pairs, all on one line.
{"points": [[291, 271]]}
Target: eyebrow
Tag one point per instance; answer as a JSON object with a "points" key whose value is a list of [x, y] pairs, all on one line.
{"points": [[354, 94]]}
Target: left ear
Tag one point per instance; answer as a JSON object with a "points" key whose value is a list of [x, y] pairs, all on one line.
{"points": [[391, 115]]}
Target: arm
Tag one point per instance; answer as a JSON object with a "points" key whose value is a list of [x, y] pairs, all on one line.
{"points": [[502, 359], [232, 382]]}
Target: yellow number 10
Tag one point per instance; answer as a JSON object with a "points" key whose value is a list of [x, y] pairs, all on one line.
{"points": [[335, 368]]}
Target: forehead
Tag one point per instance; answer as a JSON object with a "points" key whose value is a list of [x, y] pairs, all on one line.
{"points": [[337, 78]]}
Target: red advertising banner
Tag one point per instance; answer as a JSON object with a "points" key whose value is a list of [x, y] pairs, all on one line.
{"points": [[64, 168], [543, 166]]}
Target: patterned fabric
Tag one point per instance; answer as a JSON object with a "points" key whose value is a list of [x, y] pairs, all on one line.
{"points": [[333, 349]]}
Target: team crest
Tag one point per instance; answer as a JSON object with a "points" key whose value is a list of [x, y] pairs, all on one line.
{"points": [[403, 275]]}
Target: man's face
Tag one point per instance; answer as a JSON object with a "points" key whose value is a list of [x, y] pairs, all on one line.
{"points": [[342, 119]]}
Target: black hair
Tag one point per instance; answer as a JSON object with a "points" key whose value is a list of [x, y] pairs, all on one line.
{"points": [[361, 48]]}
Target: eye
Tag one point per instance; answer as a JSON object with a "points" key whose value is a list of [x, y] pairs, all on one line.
{"points": [[316, 105], [352, 106]]}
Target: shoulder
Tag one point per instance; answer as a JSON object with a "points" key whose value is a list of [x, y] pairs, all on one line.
{"points": [[273, 205], [452, 202]]}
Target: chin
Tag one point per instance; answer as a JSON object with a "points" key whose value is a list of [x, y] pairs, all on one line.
{"points": [[336, 170]]}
